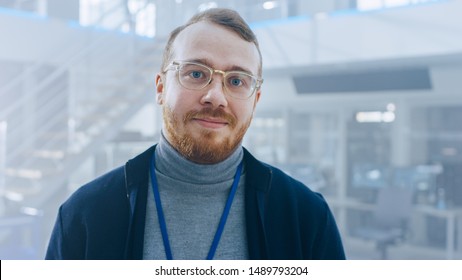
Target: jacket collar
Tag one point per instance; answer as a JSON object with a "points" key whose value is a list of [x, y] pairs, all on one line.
{"points": [[136, 183], [258, 174], [258, 182]]}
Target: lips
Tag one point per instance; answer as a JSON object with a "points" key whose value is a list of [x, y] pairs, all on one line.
{"points": [[216, 121], [211, 123], [211, 118]]}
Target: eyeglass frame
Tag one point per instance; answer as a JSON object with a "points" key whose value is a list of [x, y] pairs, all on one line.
{"points": [[177, 64]]}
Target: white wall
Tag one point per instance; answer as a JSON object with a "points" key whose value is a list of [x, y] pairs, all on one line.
{"points": [[446, 82], [26, 38], [429, 29]]}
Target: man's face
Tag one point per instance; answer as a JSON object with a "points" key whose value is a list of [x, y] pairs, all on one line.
{"points": [[207, 125]]}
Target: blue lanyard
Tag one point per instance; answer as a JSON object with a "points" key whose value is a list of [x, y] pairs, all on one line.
{"points": [[163, 225]]}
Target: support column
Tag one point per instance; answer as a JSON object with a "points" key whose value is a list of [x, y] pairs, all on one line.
{"points": [[68, 10], [401, 140], [166, 22], [3, 131], [341, 170], [29, 110]]}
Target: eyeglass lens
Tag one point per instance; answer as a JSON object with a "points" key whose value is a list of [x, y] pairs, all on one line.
{"points": [[196, 76]]}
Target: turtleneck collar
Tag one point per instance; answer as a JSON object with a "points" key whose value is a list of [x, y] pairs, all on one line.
{"points": [[172, 164]]}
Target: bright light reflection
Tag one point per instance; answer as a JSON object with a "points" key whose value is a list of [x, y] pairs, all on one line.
{"points": [[391, 107], [375, 117], [388, 117], [270, 5], [366, 5], [207, 6]]}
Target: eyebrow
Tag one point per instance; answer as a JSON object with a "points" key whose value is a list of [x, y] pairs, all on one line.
{"points": [[208, 63]]}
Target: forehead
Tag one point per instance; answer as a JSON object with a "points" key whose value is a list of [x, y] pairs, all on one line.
{"points": [[222, 48]]}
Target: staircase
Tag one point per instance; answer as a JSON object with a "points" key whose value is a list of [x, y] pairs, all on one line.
{"points": [[59, 110], [55, 117]]}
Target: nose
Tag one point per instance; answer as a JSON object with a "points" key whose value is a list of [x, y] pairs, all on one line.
{"points": [[215, 92]]}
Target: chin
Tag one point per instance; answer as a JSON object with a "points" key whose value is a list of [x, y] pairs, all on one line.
{"points": [[202, 145], [206, 147]]}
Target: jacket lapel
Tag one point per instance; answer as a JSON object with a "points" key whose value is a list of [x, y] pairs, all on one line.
{"points": [[258, 184], [136, 178]]}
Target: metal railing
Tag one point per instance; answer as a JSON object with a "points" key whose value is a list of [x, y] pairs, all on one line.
{"points": [[53, 125]]}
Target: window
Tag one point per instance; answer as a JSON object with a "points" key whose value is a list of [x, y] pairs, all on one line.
{"points": [[366, 5]]}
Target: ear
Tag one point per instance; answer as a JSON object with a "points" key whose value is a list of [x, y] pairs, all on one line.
{"points": [[257, 97], [159, 88]]}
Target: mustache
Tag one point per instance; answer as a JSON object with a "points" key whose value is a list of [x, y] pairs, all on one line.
{"points": [[212, 113]]}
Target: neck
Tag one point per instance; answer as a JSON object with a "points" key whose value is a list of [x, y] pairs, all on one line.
{"points": [[174, 165]]}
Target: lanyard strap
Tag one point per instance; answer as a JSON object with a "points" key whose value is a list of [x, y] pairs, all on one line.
{"points": [[161, 217]]}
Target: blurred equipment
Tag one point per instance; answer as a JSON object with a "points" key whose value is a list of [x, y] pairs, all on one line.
{"points": [[308, 174], [21, 235], [368, 179], [389, 225]]}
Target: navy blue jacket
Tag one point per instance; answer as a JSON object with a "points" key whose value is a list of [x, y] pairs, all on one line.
{"points": [[105, 218]]}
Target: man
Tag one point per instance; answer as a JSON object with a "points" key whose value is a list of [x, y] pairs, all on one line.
{"points": [[198, 194]]}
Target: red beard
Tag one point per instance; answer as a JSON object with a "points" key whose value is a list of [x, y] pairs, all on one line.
{"points": [[206, 148]]}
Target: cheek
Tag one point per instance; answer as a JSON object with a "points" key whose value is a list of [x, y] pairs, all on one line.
{"points": [[244, 112], [172, 96], [179, 104]]}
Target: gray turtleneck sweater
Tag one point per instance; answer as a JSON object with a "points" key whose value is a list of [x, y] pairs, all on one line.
{"points": [[193, 197]]}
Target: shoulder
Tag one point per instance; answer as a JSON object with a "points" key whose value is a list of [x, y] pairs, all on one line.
{"points": [[297, 221], [288, 190], [108, 194], [95, 216], [92, 223], [281, 187], [106, 191], [114, 186]]}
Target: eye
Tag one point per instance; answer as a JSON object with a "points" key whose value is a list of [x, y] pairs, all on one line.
{"points": [[235, 82], [193, 72], [196, 74], [239, 81]]}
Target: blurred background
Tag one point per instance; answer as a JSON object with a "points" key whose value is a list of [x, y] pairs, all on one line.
{"points": [[362, 102]]}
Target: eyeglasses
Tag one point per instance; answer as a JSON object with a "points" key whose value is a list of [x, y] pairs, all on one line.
{"points": [[196, 76]]}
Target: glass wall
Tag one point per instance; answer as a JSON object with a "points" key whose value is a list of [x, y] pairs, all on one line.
{"points": [[352, 158], [351, 147]]}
